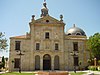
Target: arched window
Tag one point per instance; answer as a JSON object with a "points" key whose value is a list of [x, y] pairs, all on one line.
{"points": [[56, 62], [78, 33], [37, 62], [69, 33]]}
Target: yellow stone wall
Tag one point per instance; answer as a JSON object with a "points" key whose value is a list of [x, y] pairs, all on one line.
{"points": [[57, 35]]}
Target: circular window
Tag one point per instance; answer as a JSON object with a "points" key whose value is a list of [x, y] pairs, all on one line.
{"points": [[47, 21]]}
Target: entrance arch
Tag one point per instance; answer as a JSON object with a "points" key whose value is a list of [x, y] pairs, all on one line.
{"points": [[46, 62]]}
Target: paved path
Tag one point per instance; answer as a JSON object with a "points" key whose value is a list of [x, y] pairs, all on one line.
{"points": [[2, 72], [87, 71]]}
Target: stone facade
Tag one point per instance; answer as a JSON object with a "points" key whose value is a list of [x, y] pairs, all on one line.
{"points": [[55, 48]]}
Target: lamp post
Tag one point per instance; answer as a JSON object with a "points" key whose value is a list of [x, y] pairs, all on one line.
{"points": [[74, 54], [6, 64], [20, 54], [95, 63]]}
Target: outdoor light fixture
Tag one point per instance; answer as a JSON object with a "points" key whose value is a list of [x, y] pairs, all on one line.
{"points": [[20, 54], [74, 54]]}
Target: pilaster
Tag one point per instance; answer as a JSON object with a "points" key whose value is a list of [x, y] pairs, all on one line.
{"points": [[52, 63], [41, 63]]}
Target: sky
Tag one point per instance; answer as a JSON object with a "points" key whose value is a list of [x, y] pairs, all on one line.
{"points": [[15, 15]]}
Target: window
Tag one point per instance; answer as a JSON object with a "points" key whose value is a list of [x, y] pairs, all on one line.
{"points": [[17, 63], [78, 33], [69, 33], [76, 61], [47, 35], [37, 46], [75, 46], [17, 45], [56, 46], [47, 21]]}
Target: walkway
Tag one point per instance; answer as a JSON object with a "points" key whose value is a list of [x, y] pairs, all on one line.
{"points": [[87, 71]]}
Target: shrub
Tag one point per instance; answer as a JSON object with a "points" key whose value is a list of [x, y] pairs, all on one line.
{"points": [[1, 65], [93, 68], [98, 68], [99, 62]]}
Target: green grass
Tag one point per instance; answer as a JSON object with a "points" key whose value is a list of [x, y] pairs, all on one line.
{"points": [[14, 73], [77, 73]]}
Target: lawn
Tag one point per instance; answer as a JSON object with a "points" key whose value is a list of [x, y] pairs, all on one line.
{"points": [[14, 73], [77, 73]]}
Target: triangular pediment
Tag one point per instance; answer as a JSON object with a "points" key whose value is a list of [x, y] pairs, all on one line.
{"points": [[47, 19]]}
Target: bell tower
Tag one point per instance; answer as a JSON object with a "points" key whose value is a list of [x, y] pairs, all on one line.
{"points": [[44, 10]]}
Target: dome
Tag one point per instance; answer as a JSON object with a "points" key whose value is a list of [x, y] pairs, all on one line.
{"points": [[75, 31]]}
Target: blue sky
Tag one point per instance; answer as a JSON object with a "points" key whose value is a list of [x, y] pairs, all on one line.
{"points": [[15, 15]]}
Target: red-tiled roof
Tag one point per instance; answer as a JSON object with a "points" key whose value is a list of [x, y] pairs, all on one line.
{"points": [[19, 37]]}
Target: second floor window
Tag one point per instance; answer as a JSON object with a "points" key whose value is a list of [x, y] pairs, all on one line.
{"points": [[56, 46], [47, 35], [75, 46], [37, 46], [17, 45]]}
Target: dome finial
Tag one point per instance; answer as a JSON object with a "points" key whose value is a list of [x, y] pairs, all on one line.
{"points": [[74, 25], [44, 0], [44, 4]]}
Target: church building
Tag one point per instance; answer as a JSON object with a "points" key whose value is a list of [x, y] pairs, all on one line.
{"points": [[47, 47]]}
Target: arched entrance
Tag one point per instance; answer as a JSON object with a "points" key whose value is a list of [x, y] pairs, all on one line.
{"points": [[46, 62]]}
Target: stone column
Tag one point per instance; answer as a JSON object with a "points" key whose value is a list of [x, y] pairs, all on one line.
{"points": [[52, 63], [41, 63]]}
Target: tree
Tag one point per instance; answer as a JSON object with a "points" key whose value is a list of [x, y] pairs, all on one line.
{"points": [[93, 44], [3, 41], [3, 62]]}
